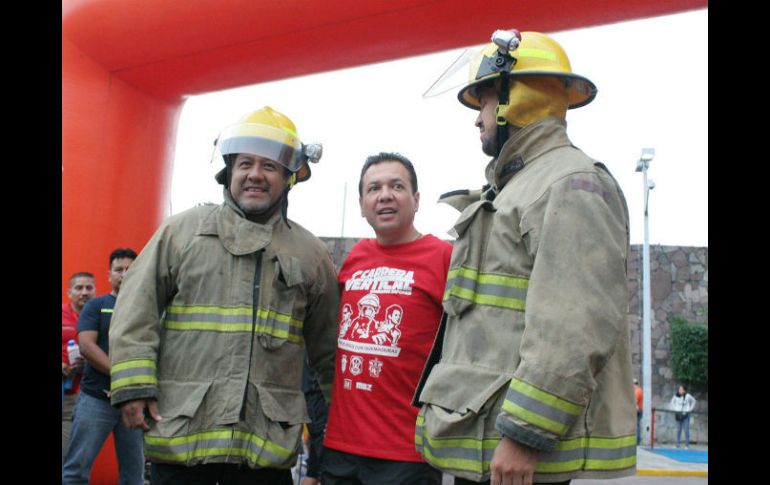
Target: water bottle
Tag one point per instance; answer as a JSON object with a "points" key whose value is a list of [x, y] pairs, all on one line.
{"points": [[73, 352]]}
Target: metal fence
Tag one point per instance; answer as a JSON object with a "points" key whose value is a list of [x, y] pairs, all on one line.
{"points": [[663, 429]]}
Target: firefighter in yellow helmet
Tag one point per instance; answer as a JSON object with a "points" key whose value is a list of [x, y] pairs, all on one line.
{"points": [[212, 323], [267, 135], [528, 382]]}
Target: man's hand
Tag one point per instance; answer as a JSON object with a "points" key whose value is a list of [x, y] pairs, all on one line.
{"points": [[77, 367], [513, 463], [132, 413]]}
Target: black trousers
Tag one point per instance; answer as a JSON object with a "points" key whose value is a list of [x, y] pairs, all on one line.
{"points": [[462, 481], [340, 468], [217, 474]]}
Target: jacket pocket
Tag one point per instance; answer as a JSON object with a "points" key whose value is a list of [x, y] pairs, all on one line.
{"points": [[280, 319], [283, 406], [459, 421], [179, 403], [479, 385]]}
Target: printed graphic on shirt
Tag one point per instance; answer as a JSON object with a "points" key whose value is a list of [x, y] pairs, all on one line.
{"points": [[366, 334], [369, 330], [382, 280]]}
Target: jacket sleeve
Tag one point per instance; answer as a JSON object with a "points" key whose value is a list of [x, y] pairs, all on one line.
{"points": [[577, 233], [320, 326], [136, 322], [691, 402]]}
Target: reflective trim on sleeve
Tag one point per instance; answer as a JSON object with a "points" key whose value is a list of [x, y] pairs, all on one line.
{"points": [[487, 288], [132, 372], [540, 408]]}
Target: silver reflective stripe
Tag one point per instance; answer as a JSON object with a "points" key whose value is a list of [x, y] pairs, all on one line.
{"points": [[538, 407]]}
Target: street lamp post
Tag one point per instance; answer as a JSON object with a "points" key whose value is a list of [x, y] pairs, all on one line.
{"points": [[641, 166]]}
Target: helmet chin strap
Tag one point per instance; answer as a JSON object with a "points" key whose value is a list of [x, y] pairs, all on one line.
{"points": [[502, 106]]}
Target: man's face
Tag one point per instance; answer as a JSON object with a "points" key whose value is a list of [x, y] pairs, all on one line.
{"points": [[80, 291], [486, 120], [388, 203], [368, 311], [118, 269], [395, 317], [257, 183]]}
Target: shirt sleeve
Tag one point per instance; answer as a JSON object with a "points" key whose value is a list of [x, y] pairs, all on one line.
{"points": [[89, 316], [575, 307]]}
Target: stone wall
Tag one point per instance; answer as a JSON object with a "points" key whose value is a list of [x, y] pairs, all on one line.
{"points": [[679, 287]]}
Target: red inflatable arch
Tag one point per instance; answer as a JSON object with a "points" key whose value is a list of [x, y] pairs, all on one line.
{"points": [[127, 66]]}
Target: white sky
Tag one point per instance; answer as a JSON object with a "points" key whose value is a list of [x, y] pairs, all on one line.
{"points": [[652, 76]]}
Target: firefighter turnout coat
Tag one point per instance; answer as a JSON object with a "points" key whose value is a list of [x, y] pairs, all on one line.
{"points": [[212, 320], [535, 344]]}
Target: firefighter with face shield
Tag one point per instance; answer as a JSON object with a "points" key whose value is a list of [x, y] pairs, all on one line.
{"points": [[211, 325], [528, 380]]}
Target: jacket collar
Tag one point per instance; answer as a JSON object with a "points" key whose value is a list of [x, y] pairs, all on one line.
{"points": [[523, 147], [238, 235]]}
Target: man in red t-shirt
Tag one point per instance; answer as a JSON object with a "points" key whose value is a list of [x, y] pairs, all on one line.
{"points": [[392, 287], [82, 288]]}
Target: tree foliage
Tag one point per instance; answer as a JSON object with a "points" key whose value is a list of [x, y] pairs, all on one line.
{"points": [[689, 351]]}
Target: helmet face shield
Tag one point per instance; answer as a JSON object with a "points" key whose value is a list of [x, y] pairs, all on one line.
{"points": [[536, 55], [263, 141], [268, 134], [455, 75]]}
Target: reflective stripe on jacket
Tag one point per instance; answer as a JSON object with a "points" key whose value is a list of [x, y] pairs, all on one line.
{"points": [[225, 363], [536, 344]]}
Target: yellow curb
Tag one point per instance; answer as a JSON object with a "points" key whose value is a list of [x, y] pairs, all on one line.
{"points": [[674, 473]]}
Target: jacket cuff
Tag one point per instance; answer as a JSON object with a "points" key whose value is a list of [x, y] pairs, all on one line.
{"points": [[525, 436], [132, 394]]}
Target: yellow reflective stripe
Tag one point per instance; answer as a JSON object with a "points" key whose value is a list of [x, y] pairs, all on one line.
{"points": [[106, 310], [128, 381], [194, 446], [213, 326], [589, 454], [546, 397], [233, 320], [499, 301], [489, 278], [133, 364], [455, 463], [536, 53], [266, 444], [133, 372], [218, 310], [611, 464], [533, 418], [487, 288]]}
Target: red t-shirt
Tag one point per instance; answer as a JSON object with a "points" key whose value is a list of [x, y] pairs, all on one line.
{"points": [[69, 331], [389, 314]]}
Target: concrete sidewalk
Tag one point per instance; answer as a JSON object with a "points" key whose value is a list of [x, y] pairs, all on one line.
{"points": [[651, 463]]}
